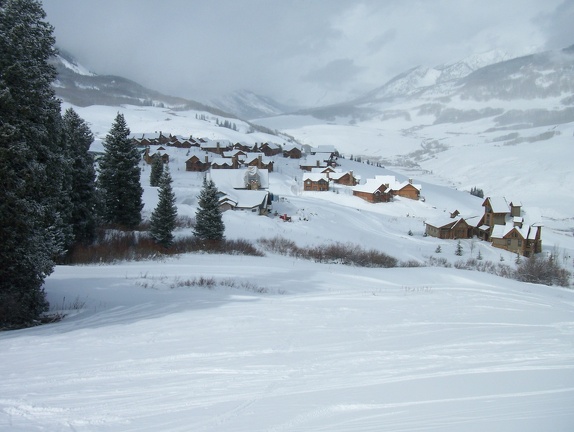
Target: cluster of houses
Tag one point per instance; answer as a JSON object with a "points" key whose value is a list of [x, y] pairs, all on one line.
{"points": [[215, 154], [503, 224], [241, 173]]}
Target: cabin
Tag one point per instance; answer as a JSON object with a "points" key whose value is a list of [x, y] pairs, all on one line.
{"points": [[292, 152], [315, 182], [449, 228], [149, 158], [343, 178], [308, 164], [224, 163], [523, 241], [373, 191], [240, 200], [195, 164], [270, 149], [256, 160], [217, 147]]}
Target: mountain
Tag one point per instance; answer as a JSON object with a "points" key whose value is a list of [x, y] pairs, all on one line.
{"points": [[80, 87], [248, 105]]}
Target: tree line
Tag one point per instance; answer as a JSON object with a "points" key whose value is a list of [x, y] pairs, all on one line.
{"points": [[52, 196]]}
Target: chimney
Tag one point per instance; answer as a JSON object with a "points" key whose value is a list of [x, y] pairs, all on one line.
{"points": [[206, 158]]}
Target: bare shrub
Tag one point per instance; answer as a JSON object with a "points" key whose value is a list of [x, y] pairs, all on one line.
{"points": [[334, 253], [543, 271], [438, 262], [114, 245]]}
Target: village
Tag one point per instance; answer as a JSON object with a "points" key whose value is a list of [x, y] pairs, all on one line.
{"points": [[241, 174]]}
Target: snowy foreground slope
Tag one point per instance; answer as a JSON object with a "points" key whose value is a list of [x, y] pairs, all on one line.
{"points": [[327, 348], [280, 344]]}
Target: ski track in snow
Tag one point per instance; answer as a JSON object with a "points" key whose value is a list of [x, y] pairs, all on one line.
{"points": [[345, 349]]}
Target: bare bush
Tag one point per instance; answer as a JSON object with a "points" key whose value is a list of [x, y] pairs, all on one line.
{"points": [[334, 253], [543, 271]]}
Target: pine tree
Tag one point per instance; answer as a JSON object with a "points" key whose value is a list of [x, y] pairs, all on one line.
{"points": [[208, 220], [119, 179], [31, 165], [156, 171], [78, 138], [163, 218], [458, 251]]}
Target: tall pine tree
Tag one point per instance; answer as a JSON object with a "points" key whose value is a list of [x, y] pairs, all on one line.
{"points": [[163, 218], [208, 220], [78, 138], [156, 171], [119, 178], [31, 163]]}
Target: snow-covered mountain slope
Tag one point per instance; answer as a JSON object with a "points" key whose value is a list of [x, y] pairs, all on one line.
{"points": [[281, 344], [506, 128], [247, 105], [78, 86]]}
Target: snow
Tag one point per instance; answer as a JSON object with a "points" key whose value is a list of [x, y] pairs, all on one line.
{"points": [[283, 344]]}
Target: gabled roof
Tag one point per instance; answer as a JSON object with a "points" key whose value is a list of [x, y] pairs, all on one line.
{"points": [[315, 177], [245, 199], [371, 186], [235, 179], [498, 204]]}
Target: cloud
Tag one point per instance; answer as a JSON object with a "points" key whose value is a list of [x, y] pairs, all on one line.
{"points": [[294, 50], [334, 74]]}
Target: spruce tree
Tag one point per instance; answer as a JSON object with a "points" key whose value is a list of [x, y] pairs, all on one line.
{"points": [[208, 220], [31, 165], [119, 178], [163, 218], [78, 138], [156, 171]]}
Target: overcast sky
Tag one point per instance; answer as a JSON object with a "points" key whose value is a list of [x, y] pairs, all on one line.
{"points": [[306, 52]]}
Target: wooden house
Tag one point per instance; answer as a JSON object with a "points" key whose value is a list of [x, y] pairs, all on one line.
{"points": [[344, 178], [315, 182], [449, 228], [224, 163], [196, 164], [521, 240], [374, 191], [270, 149], [292, 152]]}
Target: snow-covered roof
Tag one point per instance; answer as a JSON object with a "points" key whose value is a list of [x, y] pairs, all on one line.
{"points": [[227, 179], [338, 174], [313, 176], [498, 204], [370, 186], [313, 162], [245, 199]]}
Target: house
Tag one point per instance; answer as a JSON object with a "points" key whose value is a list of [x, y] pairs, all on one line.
{"points": [[523, 241], [149, 158], [374, 191], [195, 163], [408, 190], [315, 182], [256, 159], [449, 228], [292, 152], [504, 225], [404, 189], [251, 178], [270, 149], [344, 178], [215, 146], [224, 163], [308, 164], [326, 152], [242, 200]]}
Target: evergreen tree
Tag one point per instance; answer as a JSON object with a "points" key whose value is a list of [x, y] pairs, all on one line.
{"points": [[163, 218], [458, 251], [156, 171], [208, 220], [78, 138], [119, 179], [31, 166]]}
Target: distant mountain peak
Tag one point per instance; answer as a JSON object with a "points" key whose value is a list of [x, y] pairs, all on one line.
{"points": [[249, 105]]}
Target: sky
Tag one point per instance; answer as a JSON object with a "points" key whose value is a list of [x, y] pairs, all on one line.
{"points": [[299, 52]]}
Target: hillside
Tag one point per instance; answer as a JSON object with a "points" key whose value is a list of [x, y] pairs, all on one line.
{"points": [[278, 343]]}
